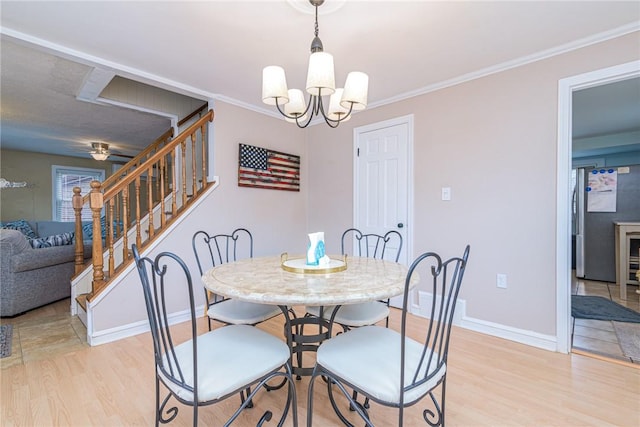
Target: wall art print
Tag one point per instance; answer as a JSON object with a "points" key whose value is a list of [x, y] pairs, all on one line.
{"points": [[263, 168]]}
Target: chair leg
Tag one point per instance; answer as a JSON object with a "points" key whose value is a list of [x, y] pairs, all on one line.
{"points": [[435, 417], [195, 414], [442, 397], [157, 401], [365, 404], [242, 398]]}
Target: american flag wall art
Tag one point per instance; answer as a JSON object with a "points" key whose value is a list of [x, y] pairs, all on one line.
{"points": [[264, 168]]}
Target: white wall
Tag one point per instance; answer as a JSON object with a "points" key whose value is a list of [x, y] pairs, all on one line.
{"points": [[493, 141]]}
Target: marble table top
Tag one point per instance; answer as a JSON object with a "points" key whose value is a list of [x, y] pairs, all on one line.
{"points": [[263, 280]]}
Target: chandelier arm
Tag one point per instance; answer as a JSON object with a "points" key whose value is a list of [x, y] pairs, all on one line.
{"points": [[309, 106], [333, 122], [292, 117], [297, 118]]}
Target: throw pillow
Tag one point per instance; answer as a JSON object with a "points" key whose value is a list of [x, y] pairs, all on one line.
{"points": [[55, 240], [87, 229], [20, 225]]}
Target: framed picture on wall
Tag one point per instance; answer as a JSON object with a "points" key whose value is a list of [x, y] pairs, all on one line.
{"points": [[263, 168]]}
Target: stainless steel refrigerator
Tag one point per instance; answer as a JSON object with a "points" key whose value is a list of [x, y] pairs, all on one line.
{"points": [[598, 206]]}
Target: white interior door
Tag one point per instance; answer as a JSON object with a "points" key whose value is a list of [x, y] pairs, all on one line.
{"points": [[382, 182]]}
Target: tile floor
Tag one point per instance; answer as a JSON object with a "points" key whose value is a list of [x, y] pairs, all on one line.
{"points": [[598, 336], [42, 332]]}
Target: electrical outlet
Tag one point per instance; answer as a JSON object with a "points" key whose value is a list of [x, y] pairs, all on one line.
{"points": [[501, 280]]}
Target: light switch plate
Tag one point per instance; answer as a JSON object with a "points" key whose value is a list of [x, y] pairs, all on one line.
{"points": [[501, 281], [446, 193]]}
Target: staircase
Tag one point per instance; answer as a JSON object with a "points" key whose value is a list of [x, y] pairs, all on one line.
{"points": [[140, 204]]}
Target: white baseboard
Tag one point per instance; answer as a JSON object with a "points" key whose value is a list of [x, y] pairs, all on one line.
{"points": [[423, 307], [136, 328], [534, 339], [460, 318]]}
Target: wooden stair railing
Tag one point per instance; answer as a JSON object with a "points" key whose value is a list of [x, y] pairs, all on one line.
{"points": [[114, 178], [135, 196]]}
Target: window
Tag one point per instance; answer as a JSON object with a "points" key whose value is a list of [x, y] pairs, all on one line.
{"points": [[64, 178]]}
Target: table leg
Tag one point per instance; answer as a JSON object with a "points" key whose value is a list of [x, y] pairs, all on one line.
{"points": [[300, 343]]}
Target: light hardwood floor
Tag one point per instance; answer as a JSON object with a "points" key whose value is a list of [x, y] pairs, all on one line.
{"points": [[491, 382]]}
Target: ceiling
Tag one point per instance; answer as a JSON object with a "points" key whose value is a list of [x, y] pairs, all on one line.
{"points": [[217, 49]]}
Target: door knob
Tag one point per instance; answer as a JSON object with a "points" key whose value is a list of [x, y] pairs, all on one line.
{"points": [[400, 225]]}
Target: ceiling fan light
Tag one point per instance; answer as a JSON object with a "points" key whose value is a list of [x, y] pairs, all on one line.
{"points": [[274, 85], [100, 151], [100, 156], [320, 76], [356, 90]]}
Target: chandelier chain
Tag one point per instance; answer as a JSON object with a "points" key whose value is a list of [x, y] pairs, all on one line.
{"points": [[316, 26]]}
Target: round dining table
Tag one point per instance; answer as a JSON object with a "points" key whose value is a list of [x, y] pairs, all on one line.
{"points": [[287, 282]]}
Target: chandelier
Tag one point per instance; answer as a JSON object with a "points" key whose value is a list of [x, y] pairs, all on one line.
{"points": [[100, 151], [320, 82]]}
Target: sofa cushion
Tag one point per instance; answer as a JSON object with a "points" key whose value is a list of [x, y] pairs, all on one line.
{"points": [[20, 225], [50, 228], [16, 239], [55, 240]]}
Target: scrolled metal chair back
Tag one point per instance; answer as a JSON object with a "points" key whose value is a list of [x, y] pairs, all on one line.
{"points": [[156, 279], [212, 250], [372, 245], [446, 279]]}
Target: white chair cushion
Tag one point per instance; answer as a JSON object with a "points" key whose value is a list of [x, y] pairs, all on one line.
{"points": [[369, 358], [355, 315], [238, 312], [228, 359]]}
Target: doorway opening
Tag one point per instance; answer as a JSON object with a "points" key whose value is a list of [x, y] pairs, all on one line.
{"points": [[564, 272]]}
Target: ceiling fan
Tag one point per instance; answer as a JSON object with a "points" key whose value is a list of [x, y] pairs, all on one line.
{"points": [[101, 152]]}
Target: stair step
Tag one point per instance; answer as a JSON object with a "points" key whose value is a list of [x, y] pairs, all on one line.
{"points": [[82, 301], [81, 312]]}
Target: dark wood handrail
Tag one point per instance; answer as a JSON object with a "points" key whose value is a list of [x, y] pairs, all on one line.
{"points": [[193, 114]]}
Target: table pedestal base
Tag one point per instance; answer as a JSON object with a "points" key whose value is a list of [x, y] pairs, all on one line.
{"points": [[304, 334]]}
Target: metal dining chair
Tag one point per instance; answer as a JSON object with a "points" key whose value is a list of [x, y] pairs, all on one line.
{"points": [[387, 246], [205, 369], [389, 367], [371, 245], [212, 250]]}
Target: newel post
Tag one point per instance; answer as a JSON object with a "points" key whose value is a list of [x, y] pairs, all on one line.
{"points": [[96, 202], [76, 202]]}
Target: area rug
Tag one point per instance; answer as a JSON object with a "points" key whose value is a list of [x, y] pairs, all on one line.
{"points": [[629, 339], [6, 334], [600, 308]]}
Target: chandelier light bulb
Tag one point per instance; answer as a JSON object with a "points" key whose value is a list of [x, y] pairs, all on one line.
{"points": [[274, 85], [320, 75], [356, 90], [336, 110]]}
